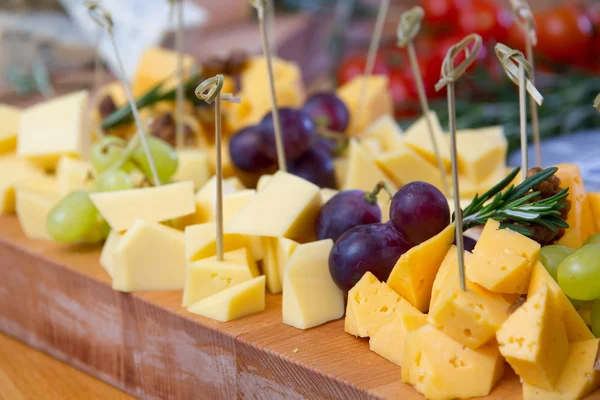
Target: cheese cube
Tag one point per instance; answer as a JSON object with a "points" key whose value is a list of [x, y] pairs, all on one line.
{"points": [[363, 173], [121, 209], [340, 169], [232, 303], [578, 376], [576, 328], [503, 259], [443, 369], [534, 341], [377, 101], [269, 264], [227, 166], [149, 256], [32, 210], [440, 278], [480, 151], [157, 65], [286, 207], [327, 194], [73, 174], [388, 341], [262, 181], [108, 251], [54, 128], [418, 138], [201, 241], [310, 296], [8, 129], [205, 209], [405, 165], [387, 132], [15, 170], [285, 250], [193, 166], [372, 146], [581, 217], [208, 276], [593, 199], [233, 203], [415, 271], [371, 305]]}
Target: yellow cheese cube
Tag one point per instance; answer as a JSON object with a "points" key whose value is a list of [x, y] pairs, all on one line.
{"points": [[285, 250], [233, 203], [480, 152], [206, 198], [581, 217], [534, 341], [377, 101], [157, 65], [9, 128], [593, 200], [503, 259], [440, 278], [363, 173], [578, 376], [108, 251], [418, 138], [232, 303], [262, 181], [415, 271], [201, 241], [388, 341], [372, 146], [208, 276], [269, 264], [193, 166], [14, 170], [73, 174], [121, 209], [310, 296], [32, 210], [576, 328], [54, 128], [387, 132], [340, 168], [327, 194], [286, 207], [443, 369], [149, 256], [370, 305], [405, 165]]}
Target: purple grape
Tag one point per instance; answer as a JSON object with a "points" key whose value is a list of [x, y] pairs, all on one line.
{"points": [[297, 129], [419, 211], [328, 111], [316, 166], [469, 243], [371, 248], [344, 211], [247, 150], [327, 145]]}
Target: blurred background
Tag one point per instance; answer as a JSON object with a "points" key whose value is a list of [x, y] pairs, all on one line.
{"points": [[47, 46]]}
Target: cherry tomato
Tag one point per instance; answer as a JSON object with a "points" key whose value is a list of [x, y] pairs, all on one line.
{"points": [[440, 11], [355, 65], [429, 66], [564, 34], [401, 87], [485, 17]]}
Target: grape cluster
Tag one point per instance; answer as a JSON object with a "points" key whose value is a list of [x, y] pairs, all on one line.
{"points": [[308, 155], [418, 211], [75, 218]]}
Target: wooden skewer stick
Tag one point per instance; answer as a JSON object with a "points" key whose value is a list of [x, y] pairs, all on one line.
{"points": [[450, 75], [214, 86], [518, 69], [408, 28], [370, 64], [524, 18], [179, 129], [260, 10], [102, 17]]}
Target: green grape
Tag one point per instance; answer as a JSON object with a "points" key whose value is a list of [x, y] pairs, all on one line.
{"points": [[72, 217], [107, 152], [579, 273], [552, 256], [112, 180], [164, 156], [98, 233], [594, 239], [596, 318]]}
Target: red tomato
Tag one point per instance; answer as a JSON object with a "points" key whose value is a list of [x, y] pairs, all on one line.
{"points": [[485, 17], [400, 87], [355, 65], [440, 11], [429, 67], [564, 34]]}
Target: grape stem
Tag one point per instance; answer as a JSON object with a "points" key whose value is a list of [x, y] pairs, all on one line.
{"points": [[371, 197]]}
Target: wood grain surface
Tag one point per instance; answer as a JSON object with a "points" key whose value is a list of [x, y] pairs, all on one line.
{"points": [[58, 299]]}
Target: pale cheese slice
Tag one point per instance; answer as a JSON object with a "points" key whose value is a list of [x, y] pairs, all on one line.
{"points": [[417, 137], [108, 251], [14, 170], [9, 128], [193, 166], [72, 174], [32, 210]]}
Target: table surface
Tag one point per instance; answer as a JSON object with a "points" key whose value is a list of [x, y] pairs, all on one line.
{"points": [[26, 373]]}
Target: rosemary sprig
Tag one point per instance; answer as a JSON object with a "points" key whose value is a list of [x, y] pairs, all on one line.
{"points": [[152, 96], [515, 208]]}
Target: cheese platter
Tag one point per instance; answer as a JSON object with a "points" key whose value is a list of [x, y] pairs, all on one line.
{"points": [[216, 230]]}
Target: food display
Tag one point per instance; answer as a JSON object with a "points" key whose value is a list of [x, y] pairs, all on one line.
{"points": [[359, 227]]}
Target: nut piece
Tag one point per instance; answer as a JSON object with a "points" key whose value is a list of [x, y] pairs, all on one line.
{"points": [[106, 106], [163, 127]]}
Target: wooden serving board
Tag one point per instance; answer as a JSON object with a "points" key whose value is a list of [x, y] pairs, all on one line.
{"points": [[58, 299]]}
